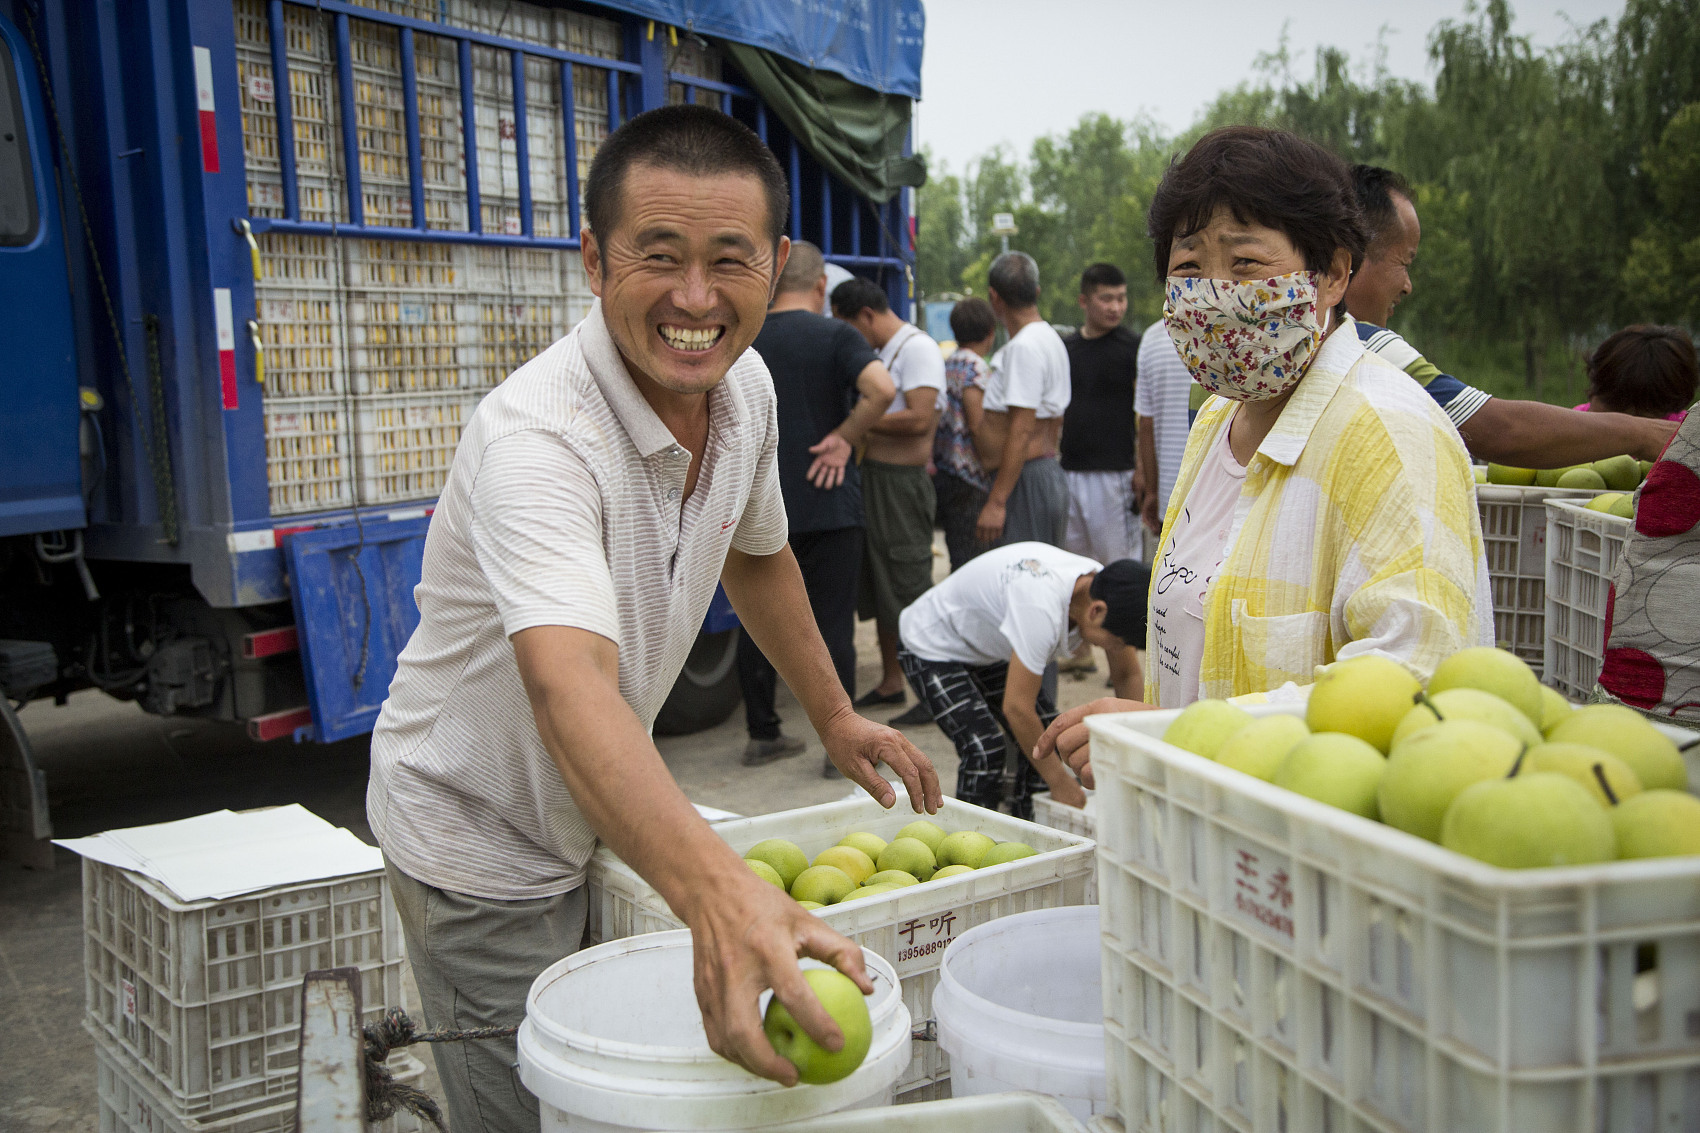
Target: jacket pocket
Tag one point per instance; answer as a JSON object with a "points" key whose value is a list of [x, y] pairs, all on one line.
{"points": [[1278, 649]]}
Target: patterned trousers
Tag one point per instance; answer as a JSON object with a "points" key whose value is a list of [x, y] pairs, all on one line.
{"points": [[967, 704]]}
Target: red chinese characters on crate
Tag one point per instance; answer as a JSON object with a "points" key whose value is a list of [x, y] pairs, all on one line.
{"points": [[1266, 897]]}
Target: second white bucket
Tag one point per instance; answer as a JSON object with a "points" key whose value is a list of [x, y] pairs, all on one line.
{"points": [[1019, 1006], [613, 1041]]}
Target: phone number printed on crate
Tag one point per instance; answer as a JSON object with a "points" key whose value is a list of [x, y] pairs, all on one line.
{"points": [[924, 937], [1261, 891]]}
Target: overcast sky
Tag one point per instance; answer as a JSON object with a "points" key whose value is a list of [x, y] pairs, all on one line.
{"points": [[1013, 70]]}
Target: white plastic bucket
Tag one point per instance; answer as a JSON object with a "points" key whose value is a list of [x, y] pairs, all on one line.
{"points": [[1019, 1006], [613, 1040]]}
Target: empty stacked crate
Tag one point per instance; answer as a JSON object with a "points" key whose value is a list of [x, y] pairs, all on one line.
{"points": [[377, 351], [1514, 531], [194, 1006], [1583, 548]]}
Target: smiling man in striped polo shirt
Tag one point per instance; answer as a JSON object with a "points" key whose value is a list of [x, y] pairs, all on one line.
{"points": [[595, 500]]}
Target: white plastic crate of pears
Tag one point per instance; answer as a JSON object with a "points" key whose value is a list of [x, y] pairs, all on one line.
{"points": [[1473, 907]]}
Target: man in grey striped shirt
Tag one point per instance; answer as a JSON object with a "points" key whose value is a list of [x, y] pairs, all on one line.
{"points": [[596, 498]]}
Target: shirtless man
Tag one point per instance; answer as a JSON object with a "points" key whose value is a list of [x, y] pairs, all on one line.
{"points": [[897, 495]]}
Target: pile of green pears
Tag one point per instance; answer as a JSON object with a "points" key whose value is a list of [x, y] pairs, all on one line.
{"points": [[863, 864], [1622, 474], [1486, 761]]}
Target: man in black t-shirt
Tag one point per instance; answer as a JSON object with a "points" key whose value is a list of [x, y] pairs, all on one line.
{"points": [[1098, 426], [1096, 450], [829, 386]]}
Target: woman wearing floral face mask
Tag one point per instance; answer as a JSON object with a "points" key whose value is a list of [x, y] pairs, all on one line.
{"points": [[1325, 507]]}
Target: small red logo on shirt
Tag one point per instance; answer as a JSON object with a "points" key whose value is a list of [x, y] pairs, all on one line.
{"points": [[727, 524]]}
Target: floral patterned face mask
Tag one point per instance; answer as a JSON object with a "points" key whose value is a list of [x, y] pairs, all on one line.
{"points": [[1248, 341]]}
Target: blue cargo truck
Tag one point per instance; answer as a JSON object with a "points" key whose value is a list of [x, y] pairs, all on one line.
{"points": [[259, 261]]}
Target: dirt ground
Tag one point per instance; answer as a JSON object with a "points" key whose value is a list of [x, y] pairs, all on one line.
{"points": [[110, 765]]}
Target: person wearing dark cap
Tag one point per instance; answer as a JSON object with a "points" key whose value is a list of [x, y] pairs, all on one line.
{"points": [[975, 646]]}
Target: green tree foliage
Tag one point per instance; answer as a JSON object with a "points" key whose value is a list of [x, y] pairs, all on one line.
{"points": [[1559, 188]]}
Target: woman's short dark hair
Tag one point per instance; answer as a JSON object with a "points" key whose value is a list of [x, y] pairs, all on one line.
{"points": [[1268, 177], [1647, 371], [971, 320], [697, 140]]}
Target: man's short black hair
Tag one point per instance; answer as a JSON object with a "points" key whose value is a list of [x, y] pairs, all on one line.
{"points": [[1376, 186], [972, 320], [1101, 275], [1015, 277], [696, 140], [854, 296], [1124, 587], [1268, 177]]}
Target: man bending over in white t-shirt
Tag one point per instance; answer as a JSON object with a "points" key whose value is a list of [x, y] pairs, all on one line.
{"points": [[974, 648]]}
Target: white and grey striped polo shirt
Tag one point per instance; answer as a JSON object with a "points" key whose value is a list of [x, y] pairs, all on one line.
{"points": [[563, 507]]}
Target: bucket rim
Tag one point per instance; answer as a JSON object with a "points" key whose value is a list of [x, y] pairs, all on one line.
{"points": [[951, 987]]}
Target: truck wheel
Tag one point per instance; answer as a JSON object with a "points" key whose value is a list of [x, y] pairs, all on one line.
{"points": [[707, 689]]}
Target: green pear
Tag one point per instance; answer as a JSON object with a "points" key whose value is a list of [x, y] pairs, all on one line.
{"points": [[1620, 473], [870, 891], [1645, 466], [1363, 696], [951, 871], [1585, 478], [1603, 501], [1553, 708], [1258, 748], [1480, 474], [1505, 474], [1334, 768], [824, 883], [965, 847], [1506, 675], [1623, 507], [1427, 770], [1626, 734], [1204, 725], [844, 1001], [1004, 852], [857, 865], [1658, 824], [765, 872], [1534, 820], [811, 906], [1585, 765], [911, 856], [894, 877], [929, 834], [1466, 704], [786, 858], [869, 844], [1548, 477]]}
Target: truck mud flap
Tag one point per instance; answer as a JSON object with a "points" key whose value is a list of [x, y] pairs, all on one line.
{"points": [[354, 611]]}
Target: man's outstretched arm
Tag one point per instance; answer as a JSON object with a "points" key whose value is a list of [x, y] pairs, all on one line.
{"points": [[1533, 434]]}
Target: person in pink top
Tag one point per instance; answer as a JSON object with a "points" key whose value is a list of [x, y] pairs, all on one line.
{"points": [[1644, 371]]}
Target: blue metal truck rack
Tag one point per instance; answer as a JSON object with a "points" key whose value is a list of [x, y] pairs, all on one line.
{"points": [[141, 550]]}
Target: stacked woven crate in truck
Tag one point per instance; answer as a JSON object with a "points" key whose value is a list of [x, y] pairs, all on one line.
{"points": [[377, 351]]}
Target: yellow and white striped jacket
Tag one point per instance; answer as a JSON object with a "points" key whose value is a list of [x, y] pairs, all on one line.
{"points": [[1356, 532]]}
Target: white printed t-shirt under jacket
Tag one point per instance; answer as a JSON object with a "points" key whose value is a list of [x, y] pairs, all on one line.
{"points": [[563, 508]]}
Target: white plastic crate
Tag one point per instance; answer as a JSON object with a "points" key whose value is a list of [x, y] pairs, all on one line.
{"points": [[1074, 820], [408, 342], [302, 333], [1273, 963], [1014, 1112], [407, 444], [910, 927], [204, 996], [127, 1105], [512, 330], [309, 461], [1583, 550], [1514, 536]]}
